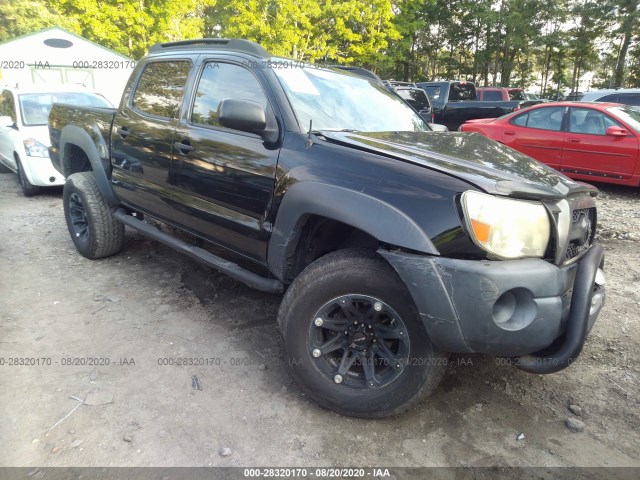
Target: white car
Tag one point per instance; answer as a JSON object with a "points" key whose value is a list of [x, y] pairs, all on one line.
{"points": [[24, 135]]}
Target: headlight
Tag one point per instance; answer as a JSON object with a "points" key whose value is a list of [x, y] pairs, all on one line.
{"points": [[507, 228], [35, 149]]}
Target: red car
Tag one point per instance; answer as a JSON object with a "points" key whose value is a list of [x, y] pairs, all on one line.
{"points": [[586, 141]]}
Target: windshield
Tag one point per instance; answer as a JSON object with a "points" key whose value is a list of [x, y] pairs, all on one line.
{"points": [[343, 101], [35, 107], [629, 115]]}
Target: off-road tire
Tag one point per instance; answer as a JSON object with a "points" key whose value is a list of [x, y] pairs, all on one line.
{"points": [[90, 220], [349, 274]]}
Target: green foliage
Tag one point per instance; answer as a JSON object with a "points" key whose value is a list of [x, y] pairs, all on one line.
{"points": [[20, 17], [492, 42]]}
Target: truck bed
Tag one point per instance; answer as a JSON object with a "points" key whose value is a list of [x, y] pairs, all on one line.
{"points": [[96, 121]]}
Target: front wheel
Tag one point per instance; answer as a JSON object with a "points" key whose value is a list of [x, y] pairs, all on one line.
{"points": [[90, 220], [28, 190], [354, 339]]}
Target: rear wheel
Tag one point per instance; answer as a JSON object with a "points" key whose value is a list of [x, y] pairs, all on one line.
{"points": [[354, 338], [90, 220], [28, 189]]}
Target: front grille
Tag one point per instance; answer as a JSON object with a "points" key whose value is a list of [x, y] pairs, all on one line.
{"points": [[581, 232]]}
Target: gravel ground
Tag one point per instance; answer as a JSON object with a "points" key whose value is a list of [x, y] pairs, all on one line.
{"points": [[148, 304]]}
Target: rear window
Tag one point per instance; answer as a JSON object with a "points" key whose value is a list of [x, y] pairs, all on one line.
{"points": [[433, 92], [159, 90], [491, 96], [462, 91]]}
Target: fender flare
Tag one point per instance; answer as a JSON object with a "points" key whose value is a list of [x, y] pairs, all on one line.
{"points": [[373, 216], [73, 135]]}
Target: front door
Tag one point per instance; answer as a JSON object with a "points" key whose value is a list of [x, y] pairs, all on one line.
{"points": [[590, 152], [224, 178]]}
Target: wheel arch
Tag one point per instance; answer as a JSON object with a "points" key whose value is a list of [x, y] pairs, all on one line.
{"points": [[75, 141], [371, 218]]}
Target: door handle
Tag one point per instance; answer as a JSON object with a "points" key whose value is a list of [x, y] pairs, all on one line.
{"points": [[509, 132], [123, 132], [184, 146], [574, 140]]}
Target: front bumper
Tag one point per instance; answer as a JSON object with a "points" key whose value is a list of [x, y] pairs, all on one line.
{"points": [[40, 172], [511, 308]]}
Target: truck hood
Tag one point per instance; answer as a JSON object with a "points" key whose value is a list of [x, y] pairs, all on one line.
{"points": [[489, 165]]}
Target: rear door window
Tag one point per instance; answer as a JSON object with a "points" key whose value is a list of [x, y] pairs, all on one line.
{"points": [[520, 120], [609, 98], [629, 99], [549, 118], [159, 90]]}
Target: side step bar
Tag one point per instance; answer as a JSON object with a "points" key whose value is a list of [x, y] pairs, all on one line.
{"points": [[251, 279]]}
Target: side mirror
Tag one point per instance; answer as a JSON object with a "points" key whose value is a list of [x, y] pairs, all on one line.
{"points": [[6, 121], [243, 115], [436, 127], [614, 131]]}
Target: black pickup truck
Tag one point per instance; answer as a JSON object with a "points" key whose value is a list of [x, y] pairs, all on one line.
{"points": [[394, 245], [453, 103]]}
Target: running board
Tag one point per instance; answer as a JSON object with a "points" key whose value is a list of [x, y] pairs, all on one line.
{"points": [[231, 269]]}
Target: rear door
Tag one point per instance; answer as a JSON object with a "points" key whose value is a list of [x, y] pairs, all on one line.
{"points": [[142, 135], [537, 133], [224, 178], [590, 152]]}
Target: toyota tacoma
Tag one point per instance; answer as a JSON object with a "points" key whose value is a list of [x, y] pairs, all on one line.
{"points": [[393, 245]]}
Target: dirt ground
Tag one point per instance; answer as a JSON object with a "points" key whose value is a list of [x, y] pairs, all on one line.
{"points": [[148, 304]]}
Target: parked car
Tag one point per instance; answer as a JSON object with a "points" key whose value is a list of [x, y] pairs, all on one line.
{"points": [[574, 96], [586, 141], [526, 99], [453, 103], [24, 137], [626, 96], [532, 97], [394, 244], [493, 94], [414, 96]]}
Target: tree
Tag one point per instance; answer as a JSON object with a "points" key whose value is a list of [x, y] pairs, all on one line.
{"points": [[131, 27], [20, 17], [628, 15], [589, 22]]}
